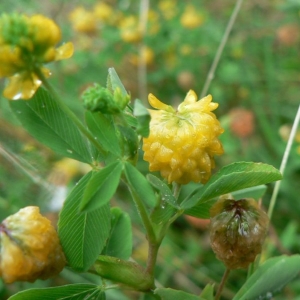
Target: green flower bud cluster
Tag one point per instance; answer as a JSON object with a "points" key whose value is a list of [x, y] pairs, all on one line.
{"points": [[237, 231], [98, 98], [14, 29]]}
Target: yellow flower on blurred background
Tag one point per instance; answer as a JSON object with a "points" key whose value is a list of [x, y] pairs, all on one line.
{"points": [[83, 20], [26, 43], [182, 143], [103, 11], [130, 30], [153, 25], [30, 247], [191, 18], [186, 49], [168, 8], [147, 56]]}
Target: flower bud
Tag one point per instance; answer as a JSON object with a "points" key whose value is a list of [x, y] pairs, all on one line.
{"points": [[30, 247], [97, 98], [237, 231]]}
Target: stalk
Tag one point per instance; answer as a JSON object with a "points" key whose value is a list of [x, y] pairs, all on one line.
{"points": [[223, 42], [284, 162], [222, 284]]}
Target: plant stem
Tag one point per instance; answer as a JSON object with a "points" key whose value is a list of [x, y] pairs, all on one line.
{"points": [[152, 256], [142, 65], [284, 162], [68, 112], [223, 42], [153, 243], [221, 286]]}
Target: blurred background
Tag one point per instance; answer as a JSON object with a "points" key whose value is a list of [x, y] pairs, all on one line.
{"points": [[166, 47]]}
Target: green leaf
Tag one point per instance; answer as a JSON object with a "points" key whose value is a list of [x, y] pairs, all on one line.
{"points": [[234, 177], [103, 129], [166, 193], [101, 187], [162, 213], [270, 278], [202, 210], [139, 185], [43, 118], [122, 271], [83, 235], [130, 142], [208, 292], [168, 207], [113, 81], [170, 294], [66, 292], [143, 118], [120, 241]]}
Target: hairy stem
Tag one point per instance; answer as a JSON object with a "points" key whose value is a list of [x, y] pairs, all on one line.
{"points": [[152, 257], [222, 284], [223, 42]]}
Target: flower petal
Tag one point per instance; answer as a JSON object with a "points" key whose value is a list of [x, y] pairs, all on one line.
{"points": [[155, 103], [21, 86], [65, 51], [191, 97]]}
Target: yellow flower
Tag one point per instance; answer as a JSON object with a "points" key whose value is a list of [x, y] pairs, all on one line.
{"points": [[153, 25], [191, 18], [182, 143], [30, 247], [130, 31], [146, 54], [26, 44], [83, 20], [168, 8], [103, 11]]}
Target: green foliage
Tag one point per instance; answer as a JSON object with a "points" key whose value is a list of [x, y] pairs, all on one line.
{"points": [[236, 176], [47, 122], [119, 243], [270, 278], [96, 234], [143, 118], [82, 235], [67, 292], [170, 294], [101, 187], [104, 131], [139, 186], [208, 292], [125, 272], [167, 207], [114, 82]]}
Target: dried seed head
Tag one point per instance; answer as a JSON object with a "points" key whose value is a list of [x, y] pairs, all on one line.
{"points": [[237, 231]]}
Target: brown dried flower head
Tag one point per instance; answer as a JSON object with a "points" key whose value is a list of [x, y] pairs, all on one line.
{"points": [[237, 231]]}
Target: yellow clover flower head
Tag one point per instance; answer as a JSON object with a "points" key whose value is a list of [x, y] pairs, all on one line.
{"points": [[191, 18], [182, 143], [130, 30], [26, 43], [83, 21], [30, 247]]}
